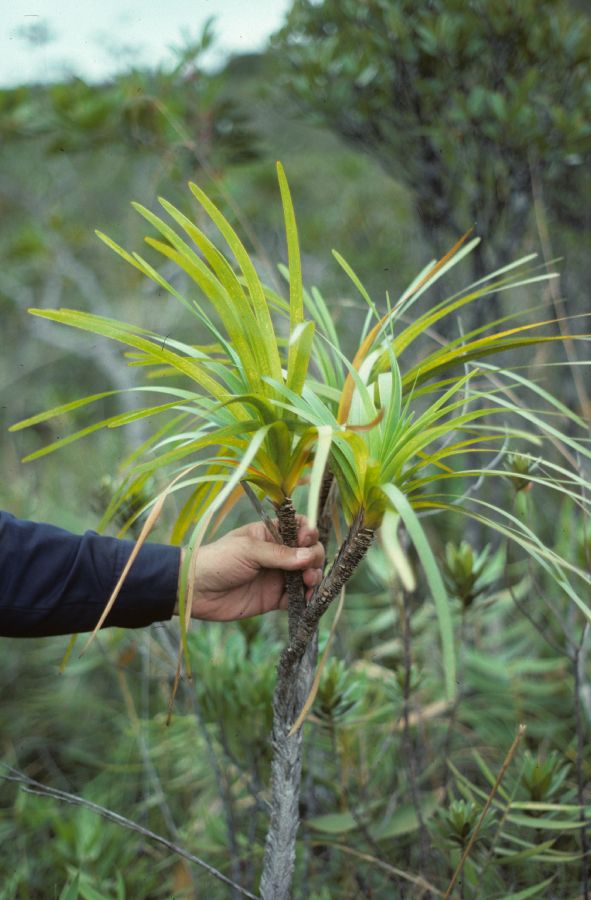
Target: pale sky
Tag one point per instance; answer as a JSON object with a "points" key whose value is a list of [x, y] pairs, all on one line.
{"points": [[94, 38]]}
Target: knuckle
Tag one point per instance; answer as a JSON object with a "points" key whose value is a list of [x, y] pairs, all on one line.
{"points": [[282, 552]]}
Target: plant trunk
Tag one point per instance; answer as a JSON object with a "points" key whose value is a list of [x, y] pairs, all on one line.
{"points": [[294, 681], [286, 772]]}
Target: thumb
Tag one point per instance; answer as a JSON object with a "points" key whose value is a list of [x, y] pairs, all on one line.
{"points": [[269, 555]]}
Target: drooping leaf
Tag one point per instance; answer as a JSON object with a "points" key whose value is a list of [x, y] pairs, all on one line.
{"points": [[434, 580]]}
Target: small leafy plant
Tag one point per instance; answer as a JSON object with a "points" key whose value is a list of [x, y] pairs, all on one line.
{"points": [[271, 405]]}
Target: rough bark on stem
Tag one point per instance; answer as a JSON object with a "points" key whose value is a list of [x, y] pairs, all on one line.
{"points": [[294, 681], [327, 490], [286, 767], [288, 530], [286, 773], [350, 554]]}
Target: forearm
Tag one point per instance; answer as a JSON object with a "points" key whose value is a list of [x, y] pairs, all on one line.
{"points": [[54, 582]]}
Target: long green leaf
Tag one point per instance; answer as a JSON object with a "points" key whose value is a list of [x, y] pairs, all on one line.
{"points": [[155, 347], [296, 291], [532, 891], [357, 282], [239, 324], [255, 289], [61, 410], [317, 473], [300, 346], [434, 580], [218, 262]]}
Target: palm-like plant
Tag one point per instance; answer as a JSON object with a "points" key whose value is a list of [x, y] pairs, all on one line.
{"points": [[273, 402]]}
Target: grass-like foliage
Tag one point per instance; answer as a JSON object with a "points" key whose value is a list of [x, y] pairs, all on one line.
{"points": [[410, 425]]}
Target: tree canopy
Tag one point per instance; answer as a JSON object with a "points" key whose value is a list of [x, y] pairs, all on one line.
{"points": [[463, 101]]}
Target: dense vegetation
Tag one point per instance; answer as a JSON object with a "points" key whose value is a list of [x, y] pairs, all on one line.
{"points": [[396, 776], [472, 105]]}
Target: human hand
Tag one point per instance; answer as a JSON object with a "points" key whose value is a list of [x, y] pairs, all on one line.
{"points": [[241, 575]]}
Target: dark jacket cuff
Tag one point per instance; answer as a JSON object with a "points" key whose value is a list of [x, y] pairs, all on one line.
{"points": [[55, 582]]}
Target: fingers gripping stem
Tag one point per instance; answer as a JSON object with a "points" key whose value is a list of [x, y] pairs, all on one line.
{"points": [[350, 554]]}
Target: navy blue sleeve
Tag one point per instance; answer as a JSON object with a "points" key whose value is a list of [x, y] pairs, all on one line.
{"points": [[55, 582]]}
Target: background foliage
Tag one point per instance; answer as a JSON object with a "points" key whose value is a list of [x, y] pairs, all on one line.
{"points": [[466, 103], [394, 780]]}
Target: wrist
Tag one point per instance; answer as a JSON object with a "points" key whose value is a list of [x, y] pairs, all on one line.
{"points": [[179, 588]]}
